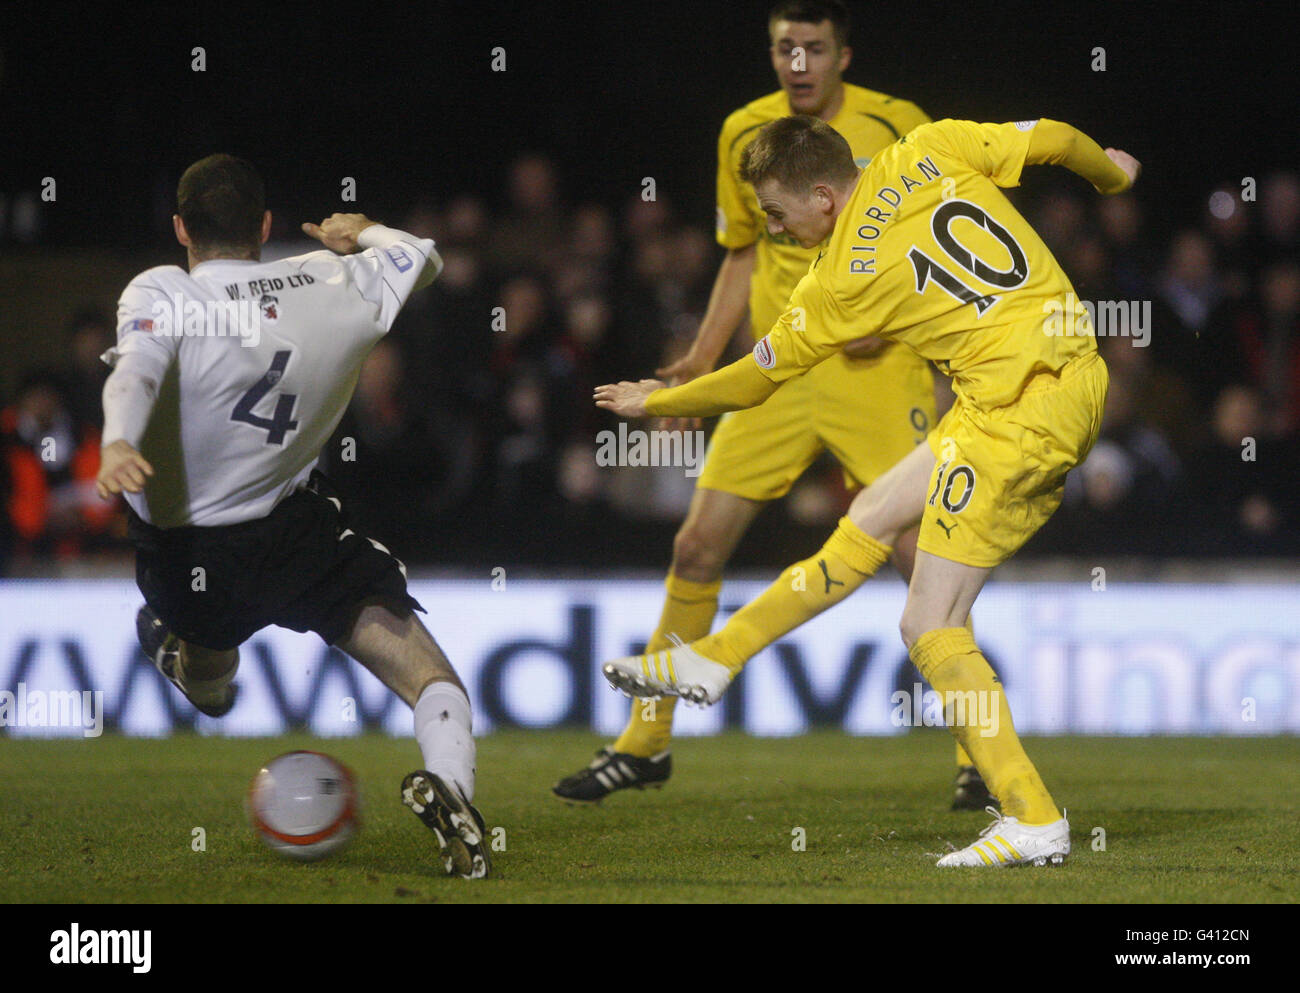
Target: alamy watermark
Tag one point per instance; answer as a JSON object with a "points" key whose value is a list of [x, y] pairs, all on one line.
{"points": [[21, 708], [651, 448], [182, 318], [1102, 318], [953, 708], [75, 946]]}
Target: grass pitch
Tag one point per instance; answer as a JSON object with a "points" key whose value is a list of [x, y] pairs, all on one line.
{"points": [[1184, 819]]}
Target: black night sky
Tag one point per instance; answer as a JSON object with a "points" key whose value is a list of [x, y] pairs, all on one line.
{"points": [[404, 98]]}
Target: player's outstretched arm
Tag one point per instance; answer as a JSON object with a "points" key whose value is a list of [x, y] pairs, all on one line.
{"points": [[1057, 143], [129, 396], [733, 387]]}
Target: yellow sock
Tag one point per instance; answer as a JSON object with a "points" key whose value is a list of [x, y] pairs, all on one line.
{"points": [[688, 613], [964, 759], [978, 716], [802, 592]]}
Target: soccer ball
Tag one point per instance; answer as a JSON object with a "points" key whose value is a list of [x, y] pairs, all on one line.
{"points": [[304, 805]]}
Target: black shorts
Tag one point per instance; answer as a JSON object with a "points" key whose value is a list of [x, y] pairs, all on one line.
{"points": [[300, 567]]}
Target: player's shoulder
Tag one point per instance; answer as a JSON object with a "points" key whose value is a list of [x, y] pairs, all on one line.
{"points": [[160, 274], [753, 115], [317, 257], [939, 132], [159, 279], [951, 134], [930, 130], [864, 100]]}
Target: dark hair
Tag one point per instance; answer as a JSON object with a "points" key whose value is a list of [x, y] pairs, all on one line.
{"points": [[798, 152], [814, 13], [221, 200]]}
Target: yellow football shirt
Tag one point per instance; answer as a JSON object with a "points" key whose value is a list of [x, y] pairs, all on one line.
{"points": [[929, 252], [868, 120]]}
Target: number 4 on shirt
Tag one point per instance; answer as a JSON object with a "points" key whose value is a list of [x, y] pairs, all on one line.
{"points": [[281, 422]]}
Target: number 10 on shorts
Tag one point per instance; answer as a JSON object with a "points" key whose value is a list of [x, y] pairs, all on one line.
{"points": [[953, 484]]}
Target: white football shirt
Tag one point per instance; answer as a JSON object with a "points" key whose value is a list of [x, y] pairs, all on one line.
{"points": [[256, 363]]}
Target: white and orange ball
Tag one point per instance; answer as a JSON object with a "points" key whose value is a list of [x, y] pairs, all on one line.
{"points": [[304, 805]]}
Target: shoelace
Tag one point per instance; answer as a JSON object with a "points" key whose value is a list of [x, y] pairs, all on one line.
{"points": [[989, 833], [998, 820]]}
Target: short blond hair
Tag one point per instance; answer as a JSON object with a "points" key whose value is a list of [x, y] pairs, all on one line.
{"points": [[798, 152]]}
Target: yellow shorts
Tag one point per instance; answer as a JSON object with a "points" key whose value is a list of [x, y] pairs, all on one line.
{"points": [[1000, 473], [868, 413]]}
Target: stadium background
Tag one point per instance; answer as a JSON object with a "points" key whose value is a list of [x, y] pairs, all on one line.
{"points": [[476, 448]]}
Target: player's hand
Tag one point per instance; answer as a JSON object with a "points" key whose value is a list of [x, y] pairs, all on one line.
{"points": [[121, 469], [1132, 167], [338, 232], [689, 366], [626, 399], [867, 347]]}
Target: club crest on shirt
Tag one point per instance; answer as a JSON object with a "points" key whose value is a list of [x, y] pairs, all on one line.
{"points": [[270, 308], [400, 258]]}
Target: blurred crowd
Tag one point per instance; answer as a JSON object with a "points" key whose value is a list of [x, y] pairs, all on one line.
{"points": [[472, 438], [1198, 452]]}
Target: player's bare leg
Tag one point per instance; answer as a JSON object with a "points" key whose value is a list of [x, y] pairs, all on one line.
{"points": [[640, 757], [940, 595], [903, 556], [714, 525], [400, 651], [891, 506], [1031, 830]]}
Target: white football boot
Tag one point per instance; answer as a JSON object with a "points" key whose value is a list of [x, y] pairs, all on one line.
{"points": [[1008, 842], [678, 671]]}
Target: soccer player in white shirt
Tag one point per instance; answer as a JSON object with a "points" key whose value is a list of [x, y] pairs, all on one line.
{"points": [[227, 380]]}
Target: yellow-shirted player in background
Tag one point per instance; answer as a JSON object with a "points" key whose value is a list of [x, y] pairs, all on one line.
{"points": [[756, 455], [923, 248]]}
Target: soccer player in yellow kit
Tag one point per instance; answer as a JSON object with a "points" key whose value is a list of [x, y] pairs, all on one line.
{"points": [[922, 248], [756, 455]]}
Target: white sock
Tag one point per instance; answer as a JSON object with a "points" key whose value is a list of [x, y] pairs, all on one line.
{"points": [[444, 730]]}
